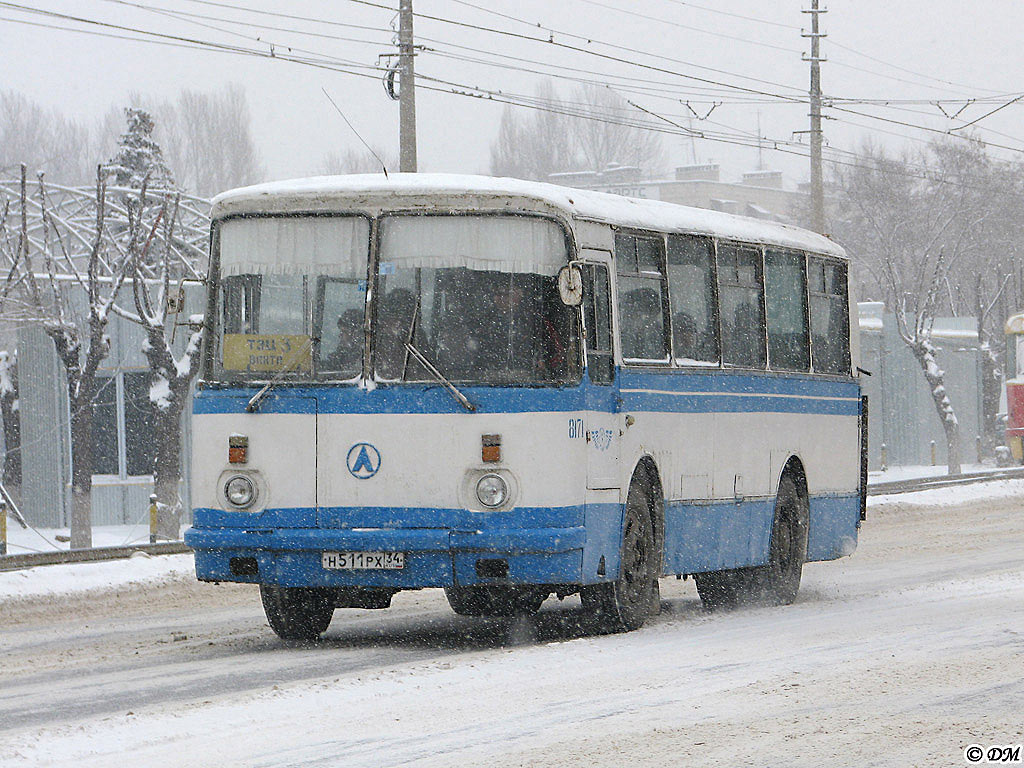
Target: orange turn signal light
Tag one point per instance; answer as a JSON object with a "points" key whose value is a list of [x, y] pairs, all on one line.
{"points": [[238, 449], [490, 449]]}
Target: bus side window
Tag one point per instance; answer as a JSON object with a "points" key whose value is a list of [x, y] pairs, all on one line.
{"points": [[640, 294], [691, 285], [830, 318], [597, 318], [786, 304], [741, 296]]}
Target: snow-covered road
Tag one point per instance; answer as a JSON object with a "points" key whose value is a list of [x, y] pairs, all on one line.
{"points": [[901, 655]]}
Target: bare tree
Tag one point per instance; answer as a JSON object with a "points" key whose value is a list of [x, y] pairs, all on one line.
{"points": [[12, 419], [172, 374], [208, 140], [534, 144], [44, 139], [608, 134], [81, 343], [356, 161], [593, 129], [985, 283], [910, 232]]}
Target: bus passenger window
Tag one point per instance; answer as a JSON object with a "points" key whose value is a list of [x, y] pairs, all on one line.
{"points": [[741, 295], [640, 298], [597, 317], [691, 285], [786, 304], [830, 319]]}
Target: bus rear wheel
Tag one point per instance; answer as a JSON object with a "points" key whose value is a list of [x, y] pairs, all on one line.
{"points": [[624, 604], [494, 600], [776, 583], [297, 613]]}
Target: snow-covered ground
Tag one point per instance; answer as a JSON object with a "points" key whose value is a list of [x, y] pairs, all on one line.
{"points": [[70, 580], [901, 655]]}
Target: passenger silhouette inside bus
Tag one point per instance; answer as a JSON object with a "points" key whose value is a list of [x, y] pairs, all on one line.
{"points": [[641, 321], [685, 340], [348, 352], [394, 323], [477, 326]]}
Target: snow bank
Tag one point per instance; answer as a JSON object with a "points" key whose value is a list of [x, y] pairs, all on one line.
{"points": [[73, 578], [952, 495]]}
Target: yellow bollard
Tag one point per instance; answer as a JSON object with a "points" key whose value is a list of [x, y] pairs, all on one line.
{"points": [[933, 453], [152, 518], [3, 527]]}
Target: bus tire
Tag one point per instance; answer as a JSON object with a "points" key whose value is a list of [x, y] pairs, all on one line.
{"points": [[488, 600], [297, 613], [778, 582], [624, 604]]}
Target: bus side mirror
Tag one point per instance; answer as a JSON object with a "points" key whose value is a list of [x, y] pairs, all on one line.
{"points": [[570, 285]]}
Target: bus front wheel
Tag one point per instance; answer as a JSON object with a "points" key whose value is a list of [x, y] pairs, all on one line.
{"points": [[624, 604], [297, 613]]}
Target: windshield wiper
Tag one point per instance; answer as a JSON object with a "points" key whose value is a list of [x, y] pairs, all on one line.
{"points": [[432, 370], [409, 336], [254, 401]]}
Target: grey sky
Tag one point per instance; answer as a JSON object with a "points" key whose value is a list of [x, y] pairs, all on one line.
{"points": [[295, 126]]}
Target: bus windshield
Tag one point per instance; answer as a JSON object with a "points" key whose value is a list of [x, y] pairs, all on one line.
{"points": [[280, 276], [477, 297]]}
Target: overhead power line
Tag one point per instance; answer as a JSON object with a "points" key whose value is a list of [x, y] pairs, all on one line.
{"points": [[352, 68], [608, 57]]}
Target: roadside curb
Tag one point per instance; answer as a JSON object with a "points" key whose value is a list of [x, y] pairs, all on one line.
{"points": [[30, 560]]}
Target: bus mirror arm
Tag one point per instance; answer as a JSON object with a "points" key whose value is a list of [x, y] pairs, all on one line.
{"points": [[861, 370]]}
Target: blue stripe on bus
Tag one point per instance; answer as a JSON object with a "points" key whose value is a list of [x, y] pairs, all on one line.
{"points": [[671, 391], [699, 537], [390, 517]]}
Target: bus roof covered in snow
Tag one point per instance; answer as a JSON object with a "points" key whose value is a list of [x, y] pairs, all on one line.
{"points": [[375, 192]]}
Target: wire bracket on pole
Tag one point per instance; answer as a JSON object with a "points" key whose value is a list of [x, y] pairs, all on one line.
{"points": [[714, 105], [955, 115]]}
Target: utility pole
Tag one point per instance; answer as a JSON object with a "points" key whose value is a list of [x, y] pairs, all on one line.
{"points": [[407, 90], [817, 183]]}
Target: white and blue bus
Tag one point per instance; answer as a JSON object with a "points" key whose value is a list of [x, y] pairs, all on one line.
{"points": [[512, 390]]}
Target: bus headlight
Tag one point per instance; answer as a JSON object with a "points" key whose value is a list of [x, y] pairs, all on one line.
{"points": [[240, 491], [492, 490]]}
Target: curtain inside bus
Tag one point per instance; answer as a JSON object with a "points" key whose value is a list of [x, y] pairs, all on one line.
{"points": [[292, 293]]}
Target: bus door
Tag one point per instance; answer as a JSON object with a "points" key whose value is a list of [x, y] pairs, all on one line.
{"points": [[602, 401]]}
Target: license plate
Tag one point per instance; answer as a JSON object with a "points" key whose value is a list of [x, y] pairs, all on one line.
{"points": [[362, 561]]}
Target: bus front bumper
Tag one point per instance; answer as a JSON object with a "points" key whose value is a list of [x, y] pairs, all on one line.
{"points": [[433, 557]]}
